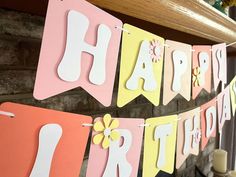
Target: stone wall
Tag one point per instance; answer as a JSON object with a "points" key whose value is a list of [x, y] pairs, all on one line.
{"points": [[20, 40]]}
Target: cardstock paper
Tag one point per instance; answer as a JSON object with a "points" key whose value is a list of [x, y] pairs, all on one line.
{"points": [[202, 61], [88, 62], [20, 140], [141, 66], [219, 59], [188, 136], [122, 155], [159, 145], [208, 122], [177, 71], [224, 107], [233, 94], [49, 137]]}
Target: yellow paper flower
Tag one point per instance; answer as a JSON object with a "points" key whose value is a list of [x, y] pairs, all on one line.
{"points": [[197, 77], [107, 133]]}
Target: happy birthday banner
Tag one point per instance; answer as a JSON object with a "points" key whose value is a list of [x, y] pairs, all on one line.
{"points": [[80, 48], [52, 143]]}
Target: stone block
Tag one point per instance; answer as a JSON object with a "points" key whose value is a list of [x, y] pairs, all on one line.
{"points": [[184, 105], [169, 109], [189, 172], [76, 103], [210, 174], [207, 168], [16, 81], [182, 168], [191, 160], [9, 54], [210, 157], [21, 24], [142, 111], [19, 52], [209, 148]]}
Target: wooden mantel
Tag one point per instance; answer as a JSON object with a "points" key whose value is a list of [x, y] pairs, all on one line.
{"points": [[191, 16]]}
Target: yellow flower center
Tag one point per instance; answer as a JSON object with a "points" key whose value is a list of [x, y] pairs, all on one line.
{"points": [[107, 132]]}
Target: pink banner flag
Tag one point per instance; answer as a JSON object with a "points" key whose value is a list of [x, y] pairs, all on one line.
{"points": [[79, 49], [177, 71], [201, 69], [208, 122], [219, 59], [188, 136], [224, 107], [115, 148]]}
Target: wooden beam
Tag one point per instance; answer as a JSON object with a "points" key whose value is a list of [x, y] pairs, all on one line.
{"points": [[193, 16]]}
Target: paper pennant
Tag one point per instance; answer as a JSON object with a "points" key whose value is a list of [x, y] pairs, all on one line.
{"points": [[219, 59], [177, 71], [78, 49], [41, 141], [115, 148], [141, 66], [208, 122], [188, 136], [233, 94], [224, 107], [159, 145], [201, 69]]}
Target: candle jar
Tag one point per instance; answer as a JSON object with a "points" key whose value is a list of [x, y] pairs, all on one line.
{"points": [[220, 161], [217, 174]]}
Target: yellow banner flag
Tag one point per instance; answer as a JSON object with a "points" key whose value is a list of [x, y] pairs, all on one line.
{"points": [[159, 145], [141, 66]]}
